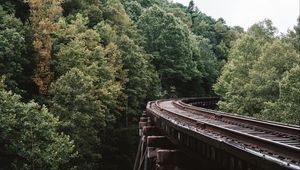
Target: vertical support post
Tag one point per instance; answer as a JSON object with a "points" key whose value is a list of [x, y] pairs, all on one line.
{"points": [[144, 121]]}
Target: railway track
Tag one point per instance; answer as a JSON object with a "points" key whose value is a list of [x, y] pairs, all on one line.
{"points": [[276, 142]]}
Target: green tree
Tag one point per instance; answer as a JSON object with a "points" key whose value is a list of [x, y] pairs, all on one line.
{"points": [[294, 35], [216, 31], [122, 40], [92, 79], [286, 108], [277, 60], [263, 29], [250, 81], [149, 3], [92, 9], [177, 10], [79, 47], [133, 9], [76, 45], [168, 40], [208, 66], [231, 84], [12, 45], [116, 14], [142, 79], [28, 136], [82, 113]]}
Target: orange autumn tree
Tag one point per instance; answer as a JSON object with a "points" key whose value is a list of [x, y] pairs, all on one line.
{"points": [[43, 16]]}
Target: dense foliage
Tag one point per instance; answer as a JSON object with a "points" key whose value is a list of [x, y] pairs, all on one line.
{"points": [[29, 136], [76, 75], [260, 78]]}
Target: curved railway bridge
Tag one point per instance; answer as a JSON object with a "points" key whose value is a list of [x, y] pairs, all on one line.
{"points": [[185, 134]]}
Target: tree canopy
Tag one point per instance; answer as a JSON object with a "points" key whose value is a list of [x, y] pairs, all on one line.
{"points": [[252, 82], [30, 138]]}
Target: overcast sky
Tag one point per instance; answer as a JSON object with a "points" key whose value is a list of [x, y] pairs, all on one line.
{"points": [[244, 13]]}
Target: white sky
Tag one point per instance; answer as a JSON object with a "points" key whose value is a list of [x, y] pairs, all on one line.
{"points": [[244, 13]]}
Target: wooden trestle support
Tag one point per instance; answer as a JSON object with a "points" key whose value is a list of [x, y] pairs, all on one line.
{"points": [[157, 152]]}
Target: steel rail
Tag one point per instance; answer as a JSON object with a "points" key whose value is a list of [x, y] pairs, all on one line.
{"points": [[274, 126]]}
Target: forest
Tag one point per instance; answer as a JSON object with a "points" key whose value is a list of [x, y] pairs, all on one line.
{"points": [[75, 75]]}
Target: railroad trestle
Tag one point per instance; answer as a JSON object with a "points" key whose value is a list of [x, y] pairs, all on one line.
{"points": [[177, 135]]}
